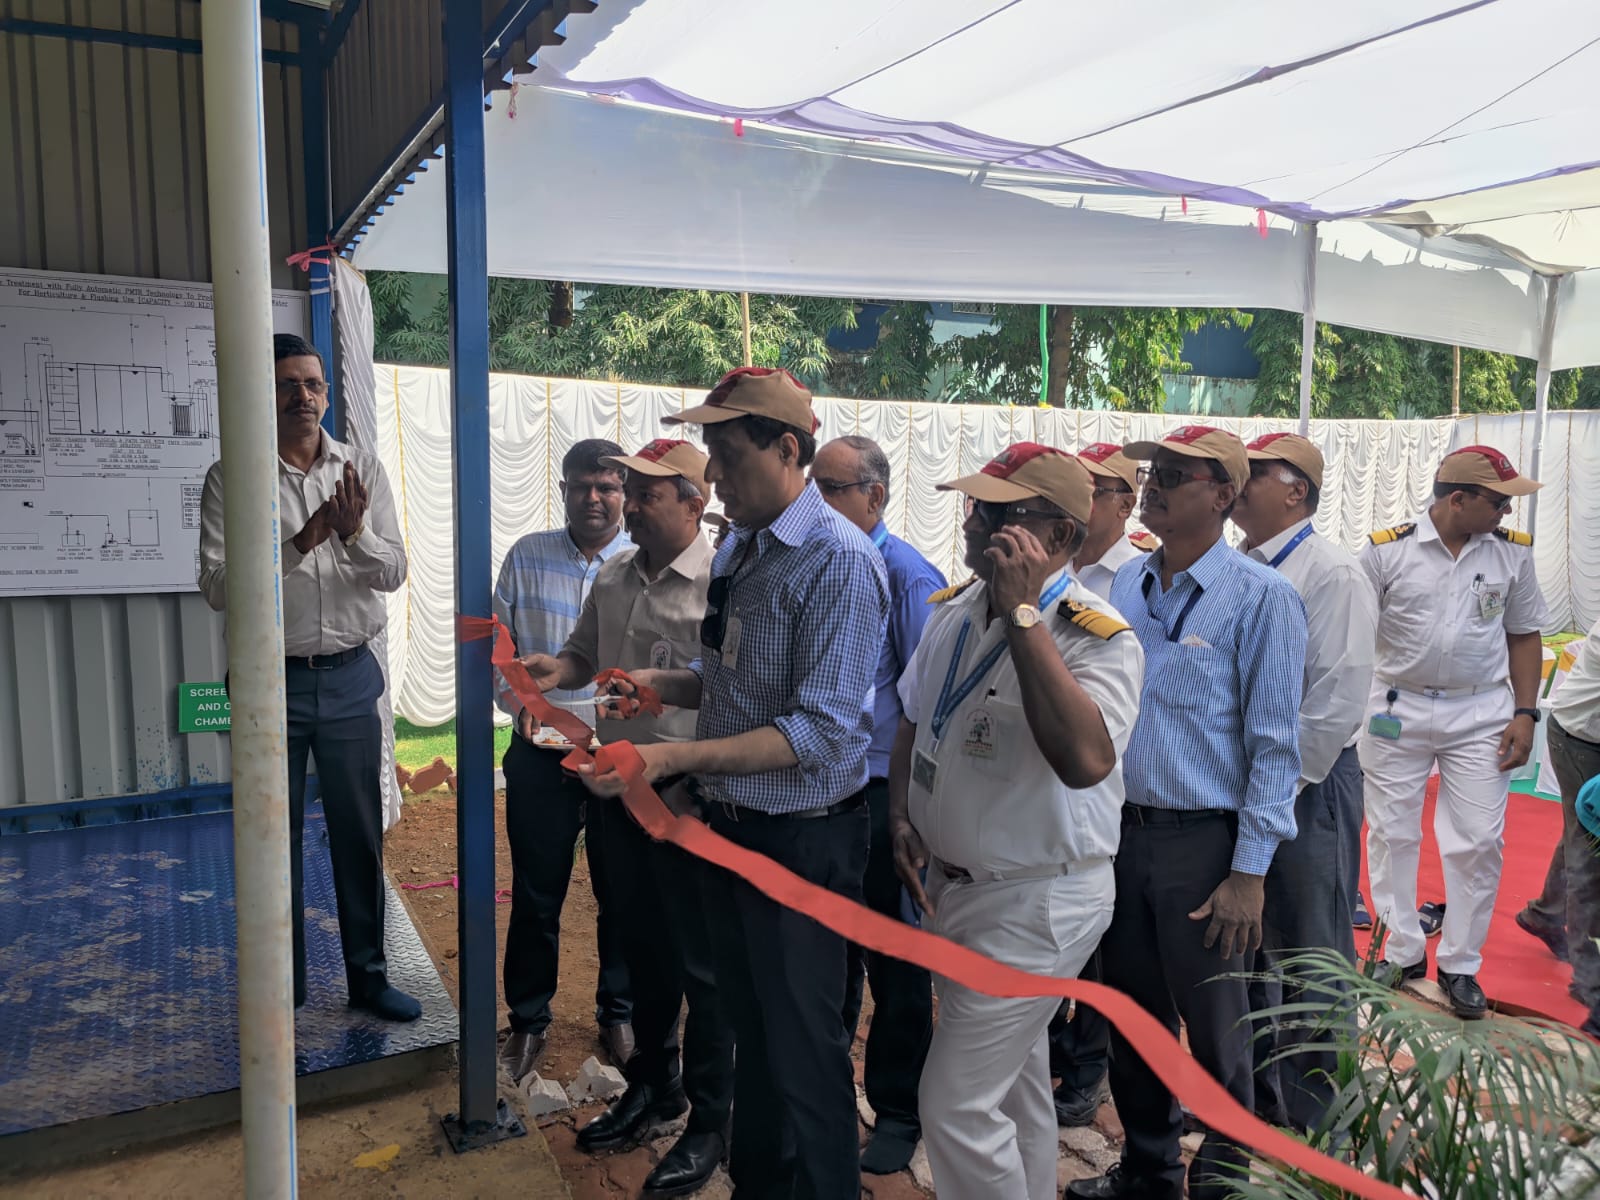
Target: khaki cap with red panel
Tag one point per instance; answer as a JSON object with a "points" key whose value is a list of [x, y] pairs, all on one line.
{"points": [[1199, 441], [1291, 448], [665, 458], [1026, 470], [1485, 467], [753, 392], [1107, 460]]}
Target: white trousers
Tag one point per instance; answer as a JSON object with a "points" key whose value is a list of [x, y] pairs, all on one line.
{"points": [[988, 1120], [1462, 734]]}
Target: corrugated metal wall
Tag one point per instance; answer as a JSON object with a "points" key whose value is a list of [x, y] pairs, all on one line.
{"points": [[102, 170]]}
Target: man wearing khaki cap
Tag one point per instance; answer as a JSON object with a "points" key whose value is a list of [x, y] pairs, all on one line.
{"points": [[795, 616], [1311, 888], [1079, 1046], [1005, 785], [1209, 775], [1457, 684], [644, 612]]}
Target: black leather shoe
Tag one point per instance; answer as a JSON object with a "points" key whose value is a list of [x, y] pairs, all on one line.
{"points": [[1076, 1107], [1553, 936], [687, 1165], [390, 1003], [888, 1150], [1466, 998], [1394, 975], [1116, 1184], [629, 1114]]}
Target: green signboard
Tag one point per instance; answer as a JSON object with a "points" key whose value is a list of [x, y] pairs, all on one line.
{"points": [[204, 708]]}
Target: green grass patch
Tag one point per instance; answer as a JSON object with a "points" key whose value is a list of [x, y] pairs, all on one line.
{"points": [[1561, 639], [416, 746]]}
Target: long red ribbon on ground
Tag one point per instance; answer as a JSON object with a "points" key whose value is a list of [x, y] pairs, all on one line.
{"points": [[1162, 1052]]}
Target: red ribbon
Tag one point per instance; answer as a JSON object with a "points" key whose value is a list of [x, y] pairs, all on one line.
{"points": [[1261, 221], [317, 254], [1162, 1052]]}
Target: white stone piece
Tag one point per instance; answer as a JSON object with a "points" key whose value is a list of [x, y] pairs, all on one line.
{"points": [[920, 1170], [545, 1096], [595, 1081], [1089, 1144]]}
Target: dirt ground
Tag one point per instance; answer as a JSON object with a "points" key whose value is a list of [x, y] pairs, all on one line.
{"points": [[421, 849]]}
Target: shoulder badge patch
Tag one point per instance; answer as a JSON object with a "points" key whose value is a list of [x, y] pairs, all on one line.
{"points": [[1102, 625], [1383, 537], [1515, 536], [1145, 541], [951, 592]]}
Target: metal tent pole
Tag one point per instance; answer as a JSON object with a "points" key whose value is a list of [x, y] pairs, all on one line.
{"points": [[1541, 394], [1308, 325], [483, 1117], [242, 283]]}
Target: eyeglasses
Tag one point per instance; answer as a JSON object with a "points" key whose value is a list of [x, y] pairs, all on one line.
{"points": [[714, 627], [1112, 491], [994, 514], [1501, 503], [834, 487], [288, 387], [1168, 478]]}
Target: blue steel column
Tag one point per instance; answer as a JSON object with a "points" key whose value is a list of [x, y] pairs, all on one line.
{"points": [[314, 121], [469, 396]]}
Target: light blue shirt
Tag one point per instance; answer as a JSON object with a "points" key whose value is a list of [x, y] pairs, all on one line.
{"points": [[1219, 713], [542, 586], [912, 579], [811, 599]]}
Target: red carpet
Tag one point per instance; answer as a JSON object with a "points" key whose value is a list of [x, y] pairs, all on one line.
{"points": [[1519, 974]]}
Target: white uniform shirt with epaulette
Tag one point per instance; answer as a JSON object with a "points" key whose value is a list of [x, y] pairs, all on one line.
{"points": [[1006, 809], [1442, 621], [1097, 576]]}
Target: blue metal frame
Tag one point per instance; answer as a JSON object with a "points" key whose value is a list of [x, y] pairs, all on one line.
{"points": [[467, 233], [121, 37]]}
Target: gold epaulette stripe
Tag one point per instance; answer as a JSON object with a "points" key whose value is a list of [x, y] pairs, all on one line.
{"points": [[1102, 625], [1383, 537]]}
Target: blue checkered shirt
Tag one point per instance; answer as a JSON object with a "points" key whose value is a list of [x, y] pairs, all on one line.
{"points": [[812, 599], [540, 593], [1219, 714]]}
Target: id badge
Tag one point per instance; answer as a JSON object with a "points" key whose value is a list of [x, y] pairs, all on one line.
{"points": [[923, 770], [730, 643], [979, 739], [661, 655], [1491, 602], [1384, 725]]}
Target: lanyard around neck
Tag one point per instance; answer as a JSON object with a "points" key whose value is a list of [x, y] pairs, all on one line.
{"points": [[952, 693], [1176, 631], [1277, 559]]}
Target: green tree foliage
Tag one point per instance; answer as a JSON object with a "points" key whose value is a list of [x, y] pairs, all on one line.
{"points": [[1359, 374], [1113, 356], [685, 338]]}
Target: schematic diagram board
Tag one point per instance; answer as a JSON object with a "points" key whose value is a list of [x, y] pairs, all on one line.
{"points": [[108, 423]]}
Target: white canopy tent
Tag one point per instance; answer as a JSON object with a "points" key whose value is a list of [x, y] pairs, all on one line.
{"points": [[1412, 167]]}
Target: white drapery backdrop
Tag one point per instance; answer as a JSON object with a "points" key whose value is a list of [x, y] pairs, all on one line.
{"points": [[1379, 473]]}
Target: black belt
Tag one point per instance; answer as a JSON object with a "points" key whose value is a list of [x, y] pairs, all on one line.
{"points": [[738, 812], [326, 662], [1140, 814]]}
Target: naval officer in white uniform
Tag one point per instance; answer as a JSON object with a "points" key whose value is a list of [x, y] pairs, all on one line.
{"points": [[1457, 683], [1005, 785]]}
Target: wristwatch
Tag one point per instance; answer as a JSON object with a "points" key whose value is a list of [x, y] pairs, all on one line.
{"points": [[356, 536], [1532, 713], [1023, 616]]}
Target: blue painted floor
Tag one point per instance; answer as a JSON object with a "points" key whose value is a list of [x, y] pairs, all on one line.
{"points": [[117, 987]]}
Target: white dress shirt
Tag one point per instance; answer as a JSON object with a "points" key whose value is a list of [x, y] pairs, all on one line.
{"points": [[1577, 700], [1341, 640], [1432, 627], [1097, 576], [332, 597], [1009, 811]]}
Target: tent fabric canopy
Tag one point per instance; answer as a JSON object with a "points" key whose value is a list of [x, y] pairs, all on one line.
{"points": [[1312, 111], [639, 195]]}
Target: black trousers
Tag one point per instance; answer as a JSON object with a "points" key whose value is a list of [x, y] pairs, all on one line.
{"points": [[660, 894], [333, 713], [1166, 868], [781, 976], [1079, 1048], [545, 809], [902, 994]]}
